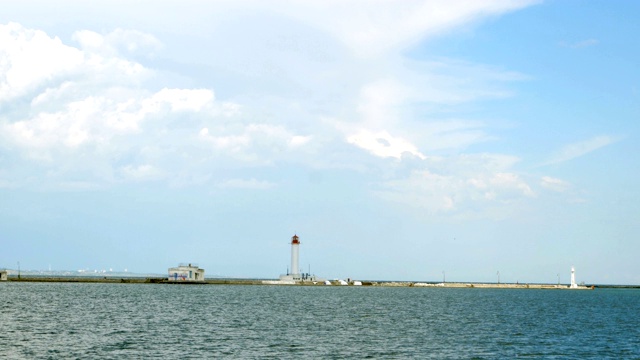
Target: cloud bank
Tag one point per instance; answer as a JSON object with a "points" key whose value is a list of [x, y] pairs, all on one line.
{"points": [[95, 114]]}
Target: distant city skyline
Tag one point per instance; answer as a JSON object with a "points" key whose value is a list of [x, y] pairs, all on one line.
{"points": [[399, 141]]}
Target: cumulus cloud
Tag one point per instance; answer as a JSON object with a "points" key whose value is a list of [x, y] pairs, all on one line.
{"points": [[98, 119], [92, 108], [23, 67], [36, 67], [140, 135]]}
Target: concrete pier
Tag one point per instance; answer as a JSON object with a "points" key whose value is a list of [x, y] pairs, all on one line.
{"points": [[270, 282], [503, 286]]}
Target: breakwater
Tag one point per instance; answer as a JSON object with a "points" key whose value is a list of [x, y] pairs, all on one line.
{"points": [[235, 281]]}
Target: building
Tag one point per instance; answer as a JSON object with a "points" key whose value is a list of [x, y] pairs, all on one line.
{"points": [[3, 275], [573, 278], [186, 273]]}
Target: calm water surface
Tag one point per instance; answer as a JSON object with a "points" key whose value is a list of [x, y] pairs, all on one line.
{"points": [[155, 321]]}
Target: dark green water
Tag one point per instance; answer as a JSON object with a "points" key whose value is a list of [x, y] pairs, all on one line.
{"points": [[155, 321]]}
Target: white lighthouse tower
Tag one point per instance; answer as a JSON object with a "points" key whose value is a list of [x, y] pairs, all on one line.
{"points": [[573, 278], [295, 276], [295, 253]]}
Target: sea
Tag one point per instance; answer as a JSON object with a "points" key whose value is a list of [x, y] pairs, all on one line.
{"points": [[160, 321]]}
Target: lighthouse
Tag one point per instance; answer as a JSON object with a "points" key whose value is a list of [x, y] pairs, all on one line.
{"points": [[295, 276], [573, 278], [295, 245]]}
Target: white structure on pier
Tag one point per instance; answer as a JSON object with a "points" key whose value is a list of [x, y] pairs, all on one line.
{"points": [[294, 275], [186, 273], [573, 278], [295, 255]]}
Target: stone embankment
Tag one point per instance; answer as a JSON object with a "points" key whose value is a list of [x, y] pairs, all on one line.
{"points": [[221, 281], [502, 286], [129, 280], [87, 279], [434, 285]]}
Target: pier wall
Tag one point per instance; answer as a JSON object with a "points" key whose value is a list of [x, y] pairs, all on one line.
{"points": [[221, 281]]}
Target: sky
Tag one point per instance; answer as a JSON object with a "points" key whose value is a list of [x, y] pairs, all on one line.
{"points": [[413, 140]]}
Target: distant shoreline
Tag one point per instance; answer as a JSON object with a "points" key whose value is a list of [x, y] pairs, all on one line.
{"points": [[267, 282]]}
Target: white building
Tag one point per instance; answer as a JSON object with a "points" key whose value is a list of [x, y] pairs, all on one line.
{"points": [[186, 273], [573, 278], [3, 275]]}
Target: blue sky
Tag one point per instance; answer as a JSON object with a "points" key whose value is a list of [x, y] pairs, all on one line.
{"points": [[398, 141]]}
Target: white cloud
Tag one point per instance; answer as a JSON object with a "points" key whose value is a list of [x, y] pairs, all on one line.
{"points": [[103, 114], [452, 134], [252, 184], [385, 106], [554, 184], [575, 150], [455, 188], [445, 81], [30, 58], [119, 41], [41, 70], [98, 119], [469, 165], [372, 28], [424, 190], [383, 144], [511, 182], [88, 113], [141, 172], [581, 44], [252, 143], [298, 140], [179, 100], [378, 103]]}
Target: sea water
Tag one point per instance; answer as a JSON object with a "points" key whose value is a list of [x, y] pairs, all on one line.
{"points": [[158, 321]]}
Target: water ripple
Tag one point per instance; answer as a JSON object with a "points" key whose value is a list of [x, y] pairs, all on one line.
{"points": [[115, 321]]}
